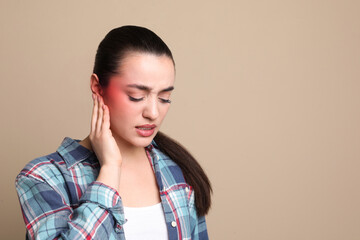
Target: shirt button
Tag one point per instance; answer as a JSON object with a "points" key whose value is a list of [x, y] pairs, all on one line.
{"points": [[187, 189], [173, 223], [118, 228]]}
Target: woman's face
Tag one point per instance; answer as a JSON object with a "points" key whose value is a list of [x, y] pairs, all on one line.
{"points": [[139, 97]]}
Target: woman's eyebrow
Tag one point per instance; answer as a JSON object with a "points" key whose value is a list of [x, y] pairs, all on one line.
{"points": [[148, 89]]}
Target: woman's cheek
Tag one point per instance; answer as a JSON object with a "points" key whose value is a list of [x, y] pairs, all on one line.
{"points": [[119, 105], [115, 98]]}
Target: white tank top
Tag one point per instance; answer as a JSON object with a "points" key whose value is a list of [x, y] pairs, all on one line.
{"points": [[145, 223]]}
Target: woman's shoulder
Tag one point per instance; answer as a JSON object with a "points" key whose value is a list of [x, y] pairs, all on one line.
{"points": [[162, 158], [168, 168], [43, 166], [68, 154]]}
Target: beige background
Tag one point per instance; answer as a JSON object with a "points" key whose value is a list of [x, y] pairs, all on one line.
{"points": [[267, 98]]}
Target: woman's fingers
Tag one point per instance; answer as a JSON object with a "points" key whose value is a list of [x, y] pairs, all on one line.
{"points": [[102, 141], [106, 118], [100, 120], [94, 114], [100, 115]]}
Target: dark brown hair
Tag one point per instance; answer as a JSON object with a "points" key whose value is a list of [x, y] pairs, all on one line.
{"points": [[111, 51]]}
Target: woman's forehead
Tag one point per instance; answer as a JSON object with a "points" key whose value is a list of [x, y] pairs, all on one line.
{"points": [[146, 62], [145, 69]]}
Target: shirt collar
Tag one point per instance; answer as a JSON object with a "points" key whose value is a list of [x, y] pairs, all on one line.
{"points": [[73, 153]]}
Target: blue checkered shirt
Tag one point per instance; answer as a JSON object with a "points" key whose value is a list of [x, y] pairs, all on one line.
{"points": [[61, 199]]}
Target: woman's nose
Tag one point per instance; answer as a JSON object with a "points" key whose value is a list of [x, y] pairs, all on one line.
{"points": [[151, 110]]}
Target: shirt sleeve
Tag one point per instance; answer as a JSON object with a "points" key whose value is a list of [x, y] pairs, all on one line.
{"points": [[47, 215], [198, 223]]}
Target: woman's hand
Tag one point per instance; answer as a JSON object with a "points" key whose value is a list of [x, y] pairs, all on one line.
{"points": [[101, 138], [104, 145]]}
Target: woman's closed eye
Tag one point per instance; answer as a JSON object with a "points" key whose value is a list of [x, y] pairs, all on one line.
{"points": [[163, 100], [135, 99]]}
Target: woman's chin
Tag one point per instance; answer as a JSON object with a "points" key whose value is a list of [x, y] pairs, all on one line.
{"points": [[143, 142]]}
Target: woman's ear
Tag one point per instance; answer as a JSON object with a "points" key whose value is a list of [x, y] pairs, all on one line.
{"points": [[95, 85]]}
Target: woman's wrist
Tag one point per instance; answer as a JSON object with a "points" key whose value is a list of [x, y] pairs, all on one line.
{"points": [[110, 175]]}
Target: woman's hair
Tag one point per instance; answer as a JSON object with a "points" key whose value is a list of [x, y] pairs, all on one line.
{"points": [[121, 41], [111, 51]]}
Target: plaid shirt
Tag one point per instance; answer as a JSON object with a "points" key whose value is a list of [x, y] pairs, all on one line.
{"points": [[61, 199]]}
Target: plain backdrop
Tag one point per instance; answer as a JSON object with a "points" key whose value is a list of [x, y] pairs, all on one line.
{"points": [[267, 99]]}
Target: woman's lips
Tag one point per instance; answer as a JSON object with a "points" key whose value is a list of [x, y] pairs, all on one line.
{"points": [[145, 130]]}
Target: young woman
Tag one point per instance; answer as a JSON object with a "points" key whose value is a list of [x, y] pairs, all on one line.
{"points": [[125, 180]]}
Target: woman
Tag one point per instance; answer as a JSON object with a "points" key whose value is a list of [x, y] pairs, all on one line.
{"points": [[126, 180]]}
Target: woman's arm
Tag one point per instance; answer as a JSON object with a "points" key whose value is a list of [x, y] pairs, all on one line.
{"points": [[45, 207], [48, 215]]}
